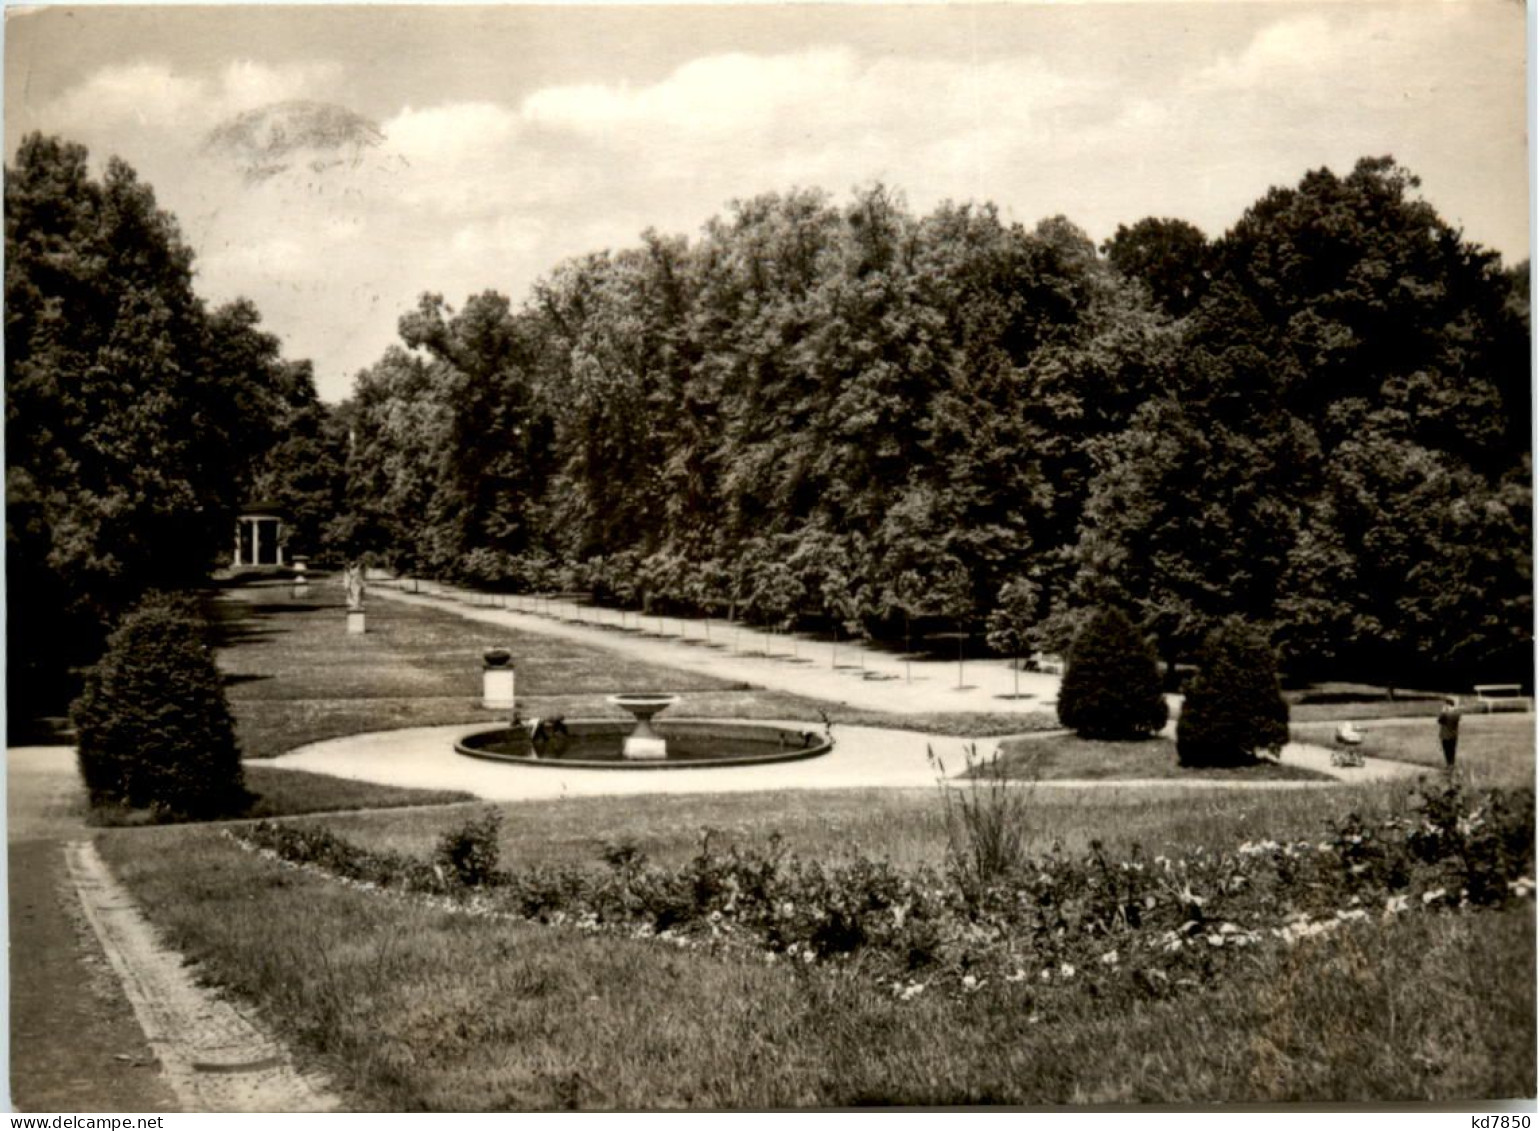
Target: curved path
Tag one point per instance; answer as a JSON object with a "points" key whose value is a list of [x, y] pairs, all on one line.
{"points": [[862, 758]]}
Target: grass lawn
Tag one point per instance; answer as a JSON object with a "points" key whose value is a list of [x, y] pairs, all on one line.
{"points": [[292, 793], [287, 793], [1497, 750], [903, 825], [294, 676], [1336, 701], [1067, 757], [412, 1007]]}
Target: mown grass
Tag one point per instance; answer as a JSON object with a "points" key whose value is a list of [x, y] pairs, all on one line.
{"points": [[1335, 701], [409, 1007], [292, 793], [1067, 757], [294, 676], [1495, 750], [288, 793], [905, 826]]}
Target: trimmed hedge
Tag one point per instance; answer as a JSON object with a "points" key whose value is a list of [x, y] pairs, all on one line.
{"points": [[155, 729], [1111, 687], [1234, 706]]}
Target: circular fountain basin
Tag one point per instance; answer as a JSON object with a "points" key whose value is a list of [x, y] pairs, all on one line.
{"points": [[599, 745]]}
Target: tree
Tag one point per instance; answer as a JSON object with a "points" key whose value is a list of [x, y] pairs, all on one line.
{"points": [[154, 728], [1012, 622], [135, 419], [1170, 257], [1111, 687], [1233, 706], [775, 595]]}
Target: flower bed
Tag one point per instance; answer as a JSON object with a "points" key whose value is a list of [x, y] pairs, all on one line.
{"points": [[1139, 925]]}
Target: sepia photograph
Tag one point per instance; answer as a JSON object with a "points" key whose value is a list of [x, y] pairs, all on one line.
{"points": [[745, 557]]}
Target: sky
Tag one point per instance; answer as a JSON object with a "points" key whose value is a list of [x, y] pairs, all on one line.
{"points": [[511, 138]]}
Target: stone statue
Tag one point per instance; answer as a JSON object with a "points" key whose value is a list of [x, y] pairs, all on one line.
{"points": [[353, 580]]}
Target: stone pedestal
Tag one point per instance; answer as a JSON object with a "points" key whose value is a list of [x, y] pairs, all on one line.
{"points": [[300, 588], [355, 622], [641, 748], [643, 744], [497, 688]]}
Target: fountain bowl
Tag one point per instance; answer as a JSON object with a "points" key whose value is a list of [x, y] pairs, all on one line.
{"points": [[599, 744]]}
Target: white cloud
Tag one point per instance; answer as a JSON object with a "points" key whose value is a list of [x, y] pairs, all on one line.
{"points": [[151, 95], [474, 193]]}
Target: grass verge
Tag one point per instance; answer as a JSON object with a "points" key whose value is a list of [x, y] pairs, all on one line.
{"points": [[292, 793], [1067, 757]]}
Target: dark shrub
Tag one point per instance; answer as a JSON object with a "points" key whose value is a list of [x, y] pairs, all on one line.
{"points": [[1111, 687], [469, 854], [154, 728], [1233, 705]]}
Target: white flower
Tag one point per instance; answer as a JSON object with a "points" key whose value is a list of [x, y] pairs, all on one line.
{"points": [[1215, 940], [970, 982], [1066, 970], [1429, 896], [1110, 958], [1019, 976], [1395, 905], [1355, 914], [1046, 975]]}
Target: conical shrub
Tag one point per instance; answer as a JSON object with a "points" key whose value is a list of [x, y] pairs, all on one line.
{"points": [[1233, 706], [1111, 687], [154, 727]]}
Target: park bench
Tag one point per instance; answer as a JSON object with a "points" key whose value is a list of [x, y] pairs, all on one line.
{"points": [[1047, 662], [1501, 697]]}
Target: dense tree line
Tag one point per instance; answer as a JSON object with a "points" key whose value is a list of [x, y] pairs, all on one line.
{"points": [[136, 418], [853, 416], [836, 415]]}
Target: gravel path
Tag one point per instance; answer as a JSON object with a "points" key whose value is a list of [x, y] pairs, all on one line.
{"points": [[862, 758], [75, 1044], [864, 678], [103, 1018]]}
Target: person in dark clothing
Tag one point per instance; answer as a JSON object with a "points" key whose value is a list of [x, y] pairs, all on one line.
{"points": [[1449, 729]]}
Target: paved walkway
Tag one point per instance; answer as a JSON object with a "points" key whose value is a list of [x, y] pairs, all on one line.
{"points": [[858, 676], [862, 758], [75, 1043]]}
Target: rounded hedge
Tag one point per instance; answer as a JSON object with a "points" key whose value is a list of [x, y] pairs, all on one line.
{"points": [[1234, 706], [154, 727], [1111, 687]]}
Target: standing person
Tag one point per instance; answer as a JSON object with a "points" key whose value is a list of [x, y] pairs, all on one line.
{"points": [[1449, 729]]}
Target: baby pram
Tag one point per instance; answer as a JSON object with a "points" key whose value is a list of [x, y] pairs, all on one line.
{"points": [[1347, 751]]}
